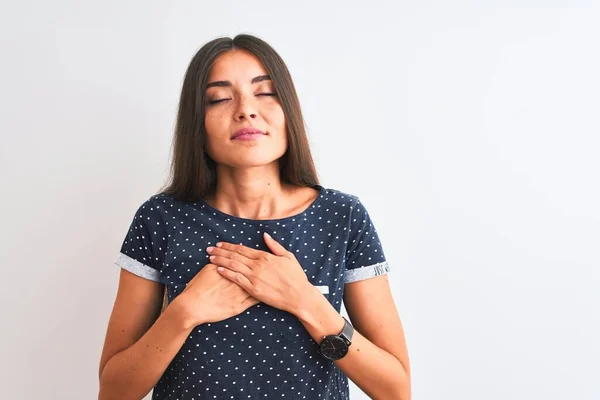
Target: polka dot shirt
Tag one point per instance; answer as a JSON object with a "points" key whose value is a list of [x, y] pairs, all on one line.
{"points": [[263, 352]]}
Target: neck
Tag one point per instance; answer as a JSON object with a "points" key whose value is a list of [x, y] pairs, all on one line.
{"points": [[253, 193]]}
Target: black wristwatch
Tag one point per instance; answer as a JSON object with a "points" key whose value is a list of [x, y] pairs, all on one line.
{"points": [[334, 347]]}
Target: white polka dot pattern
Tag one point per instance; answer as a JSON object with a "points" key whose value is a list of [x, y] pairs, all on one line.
{"points": [[263, 352]]}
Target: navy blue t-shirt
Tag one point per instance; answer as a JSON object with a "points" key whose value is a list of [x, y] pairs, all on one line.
{"points": [[263, 352]]}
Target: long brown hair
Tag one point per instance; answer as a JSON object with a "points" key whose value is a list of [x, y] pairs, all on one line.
{"points": [[193, 173]]}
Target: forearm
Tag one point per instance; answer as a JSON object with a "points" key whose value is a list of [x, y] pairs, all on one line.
{"points": [[133, 372], [377, 372]]}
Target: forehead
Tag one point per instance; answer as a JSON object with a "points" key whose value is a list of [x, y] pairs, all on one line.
{"points": [[236, 66]]}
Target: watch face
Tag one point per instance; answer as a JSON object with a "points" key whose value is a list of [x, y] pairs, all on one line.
{"points": [[333, 347]]}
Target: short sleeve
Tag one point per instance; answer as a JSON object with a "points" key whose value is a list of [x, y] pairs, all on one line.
{"points": [[364, 253], [142, 251]]}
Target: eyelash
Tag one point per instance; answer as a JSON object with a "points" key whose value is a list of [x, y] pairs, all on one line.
{"points": [[260, 94]]}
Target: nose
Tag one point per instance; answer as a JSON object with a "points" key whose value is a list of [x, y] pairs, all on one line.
{"points": [[245, 109]]}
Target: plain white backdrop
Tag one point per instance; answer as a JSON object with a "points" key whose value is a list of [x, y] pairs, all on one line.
{"points": [[470, 130]]}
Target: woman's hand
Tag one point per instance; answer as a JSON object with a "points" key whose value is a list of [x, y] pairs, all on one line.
{"points": [[276, 279], [208, 297]]}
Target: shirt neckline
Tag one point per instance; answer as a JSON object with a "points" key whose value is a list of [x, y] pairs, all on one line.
{"points": [[314, 203]]}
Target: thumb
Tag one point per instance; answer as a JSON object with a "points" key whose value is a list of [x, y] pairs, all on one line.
{"points": [[274, 246]]}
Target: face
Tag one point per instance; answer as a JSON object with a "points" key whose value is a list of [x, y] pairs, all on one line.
{"points": [[241, 95]]}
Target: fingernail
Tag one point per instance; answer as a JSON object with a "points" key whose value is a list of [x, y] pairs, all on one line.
{"points": [[267, 235], [219, 244], [209, 249]]}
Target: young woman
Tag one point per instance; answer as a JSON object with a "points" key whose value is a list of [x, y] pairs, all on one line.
{"points": [[255, 256]]}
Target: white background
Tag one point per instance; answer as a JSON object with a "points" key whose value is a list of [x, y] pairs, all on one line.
{"points": [[470, 130]]}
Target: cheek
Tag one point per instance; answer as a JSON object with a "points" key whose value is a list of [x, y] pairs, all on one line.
{"points": [[277, 119], [213, 122]]}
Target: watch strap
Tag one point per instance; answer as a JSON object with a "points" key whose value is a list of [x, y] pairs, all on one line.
{"points": [[347, 331]]}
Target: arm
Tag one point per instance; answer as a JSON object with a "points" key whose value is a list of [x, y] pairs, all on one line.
{"points": [[377, 360], [140, 342]]}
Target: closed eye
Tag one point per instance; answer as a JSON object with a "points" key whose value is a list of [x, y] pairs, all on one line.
{"points": [[217, 101], [222, 100]]}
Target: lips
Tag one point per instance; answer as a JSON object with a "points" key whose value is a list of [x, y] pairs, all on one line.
{"points": [[247, 131]]}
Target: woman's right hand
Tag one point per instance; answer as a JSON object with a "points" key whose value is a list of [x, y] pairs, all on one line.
{"points": [[209, 297]]}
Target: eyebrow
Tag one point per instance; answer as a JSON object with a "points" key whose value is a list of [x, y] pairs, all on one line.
{"points": [[256, 79]]}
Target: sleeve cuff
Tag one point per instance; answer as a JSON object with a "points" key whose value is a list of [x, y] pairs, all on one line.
{"points": [[370, 271], [137, 268]]}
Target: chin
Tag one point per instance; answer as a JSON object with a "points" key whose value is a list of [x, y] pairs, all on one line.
{"points": [[248, 161], [251, 163], [252, 159]]}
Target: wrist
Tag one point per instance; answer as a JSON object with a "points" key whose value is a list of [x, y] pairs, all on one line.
{"points": [[183, 314], [307, 300], [318, 316]]}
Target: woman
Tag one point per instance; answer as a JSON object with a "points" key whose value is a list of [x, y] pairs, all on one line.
{"points": [[254, 254]]}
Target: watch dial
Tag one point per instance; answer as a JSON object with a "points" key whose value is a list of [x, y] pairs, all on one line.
{"points": [[334, 347]]}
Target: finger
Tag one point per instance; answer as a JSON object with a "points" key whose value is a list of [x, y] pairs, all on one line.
{"points": [[236, 277], [241, 249], [231, 264], [218, 251], [275, 246]]}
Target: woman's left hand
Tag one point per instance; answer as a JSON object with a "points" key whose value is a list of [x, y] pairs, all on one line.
{"points": [[276, 279]]}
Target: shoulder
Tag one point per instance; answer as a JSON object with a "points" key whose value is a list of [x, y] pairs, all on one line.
{"points": [[343, 202], [340, 205], [351, 207], [333, 197], [153, 209]]}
